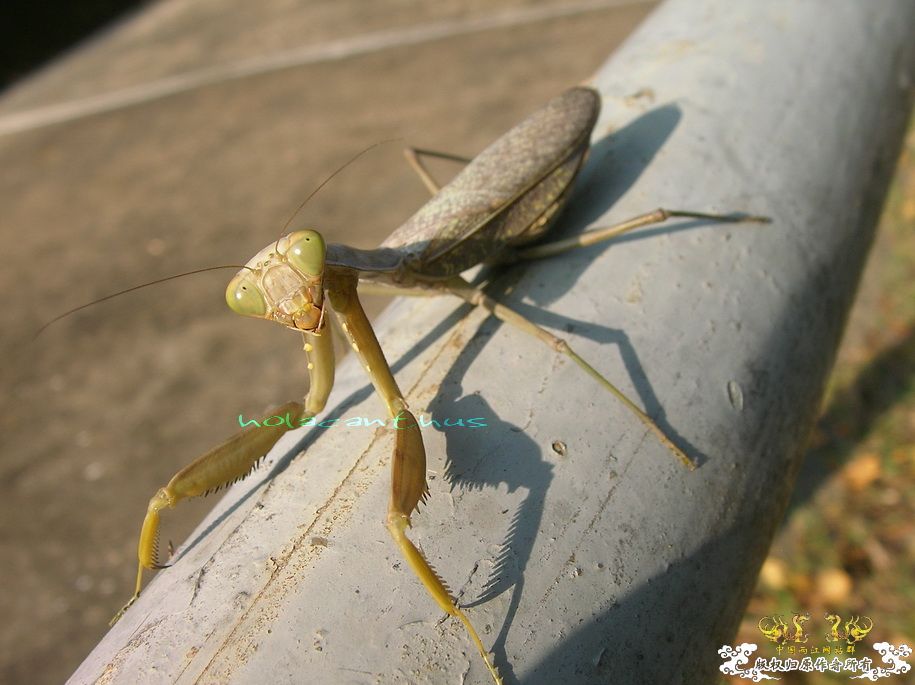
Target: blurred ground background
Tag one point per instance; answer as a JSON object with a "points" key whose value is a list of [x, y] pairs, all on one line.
{"points": [[191, 169]]}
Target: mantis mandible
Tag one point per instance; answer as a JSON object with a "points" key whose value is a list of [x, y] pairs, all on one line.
{"points": [[501, 202]]}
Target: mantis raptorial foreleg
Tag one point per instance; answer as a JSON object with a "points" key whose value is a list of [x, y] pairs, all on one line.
{"points": [[408, 466], [236, 457], [458, 286]]}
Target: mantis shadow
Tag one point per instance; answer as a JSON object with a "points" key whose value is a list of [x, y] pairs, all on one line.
{"points": [[614, 165], [499, 453]]}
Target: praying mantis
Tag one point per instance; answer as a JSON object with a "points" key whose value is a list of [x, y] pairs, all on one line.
{"points": [[496, 210]]}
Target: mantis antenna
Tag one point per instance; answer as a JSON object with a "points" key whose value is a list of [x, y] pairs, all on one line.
{"points": [[326, 181], [131, 289], [222, 266]]}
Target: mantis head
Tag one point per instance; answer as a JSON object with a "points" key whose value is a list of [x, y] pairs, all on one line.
{"points": [[284, 282]]}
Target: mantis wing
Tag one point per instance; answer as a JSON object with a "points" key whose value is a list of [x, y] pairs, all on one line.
{"points": [[507, 194]]}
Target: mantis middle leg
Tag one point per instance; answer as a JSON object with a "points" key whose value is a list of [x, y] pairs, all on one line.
{"points": [[408, 465]]}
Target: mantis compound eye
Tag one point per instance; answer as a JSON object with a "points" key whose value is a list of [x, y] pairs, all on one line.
{"points": [[306, 252], [244, 297]]}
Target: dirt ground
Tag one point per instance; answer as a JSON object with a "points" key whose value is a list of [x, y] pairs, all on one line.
{"points": [[106, 405]]}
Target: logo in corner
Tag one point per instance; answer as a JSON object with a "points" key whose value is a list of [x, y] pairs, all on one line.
{"points": [[798, 650]]}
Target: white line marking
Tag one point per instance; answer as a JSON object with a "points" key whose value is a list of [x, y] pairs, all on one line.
{"points": [[37, 117]]}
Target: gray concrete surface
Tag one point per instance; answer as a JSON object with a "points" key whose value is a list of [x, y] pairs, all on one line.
{"points": [[606, 561], [105, 406]]}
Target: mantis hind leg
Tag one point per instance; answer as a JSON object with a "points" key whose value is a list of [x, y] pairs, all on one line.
{"points": [[461, 288], [414, 155], [601, 234], [236, 457]]}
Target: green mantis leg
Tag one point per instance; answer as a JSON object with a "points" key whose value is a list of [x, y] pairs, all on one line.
{"points": [[237, 456], [458, 286], [408, 466], [598, 235]]}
